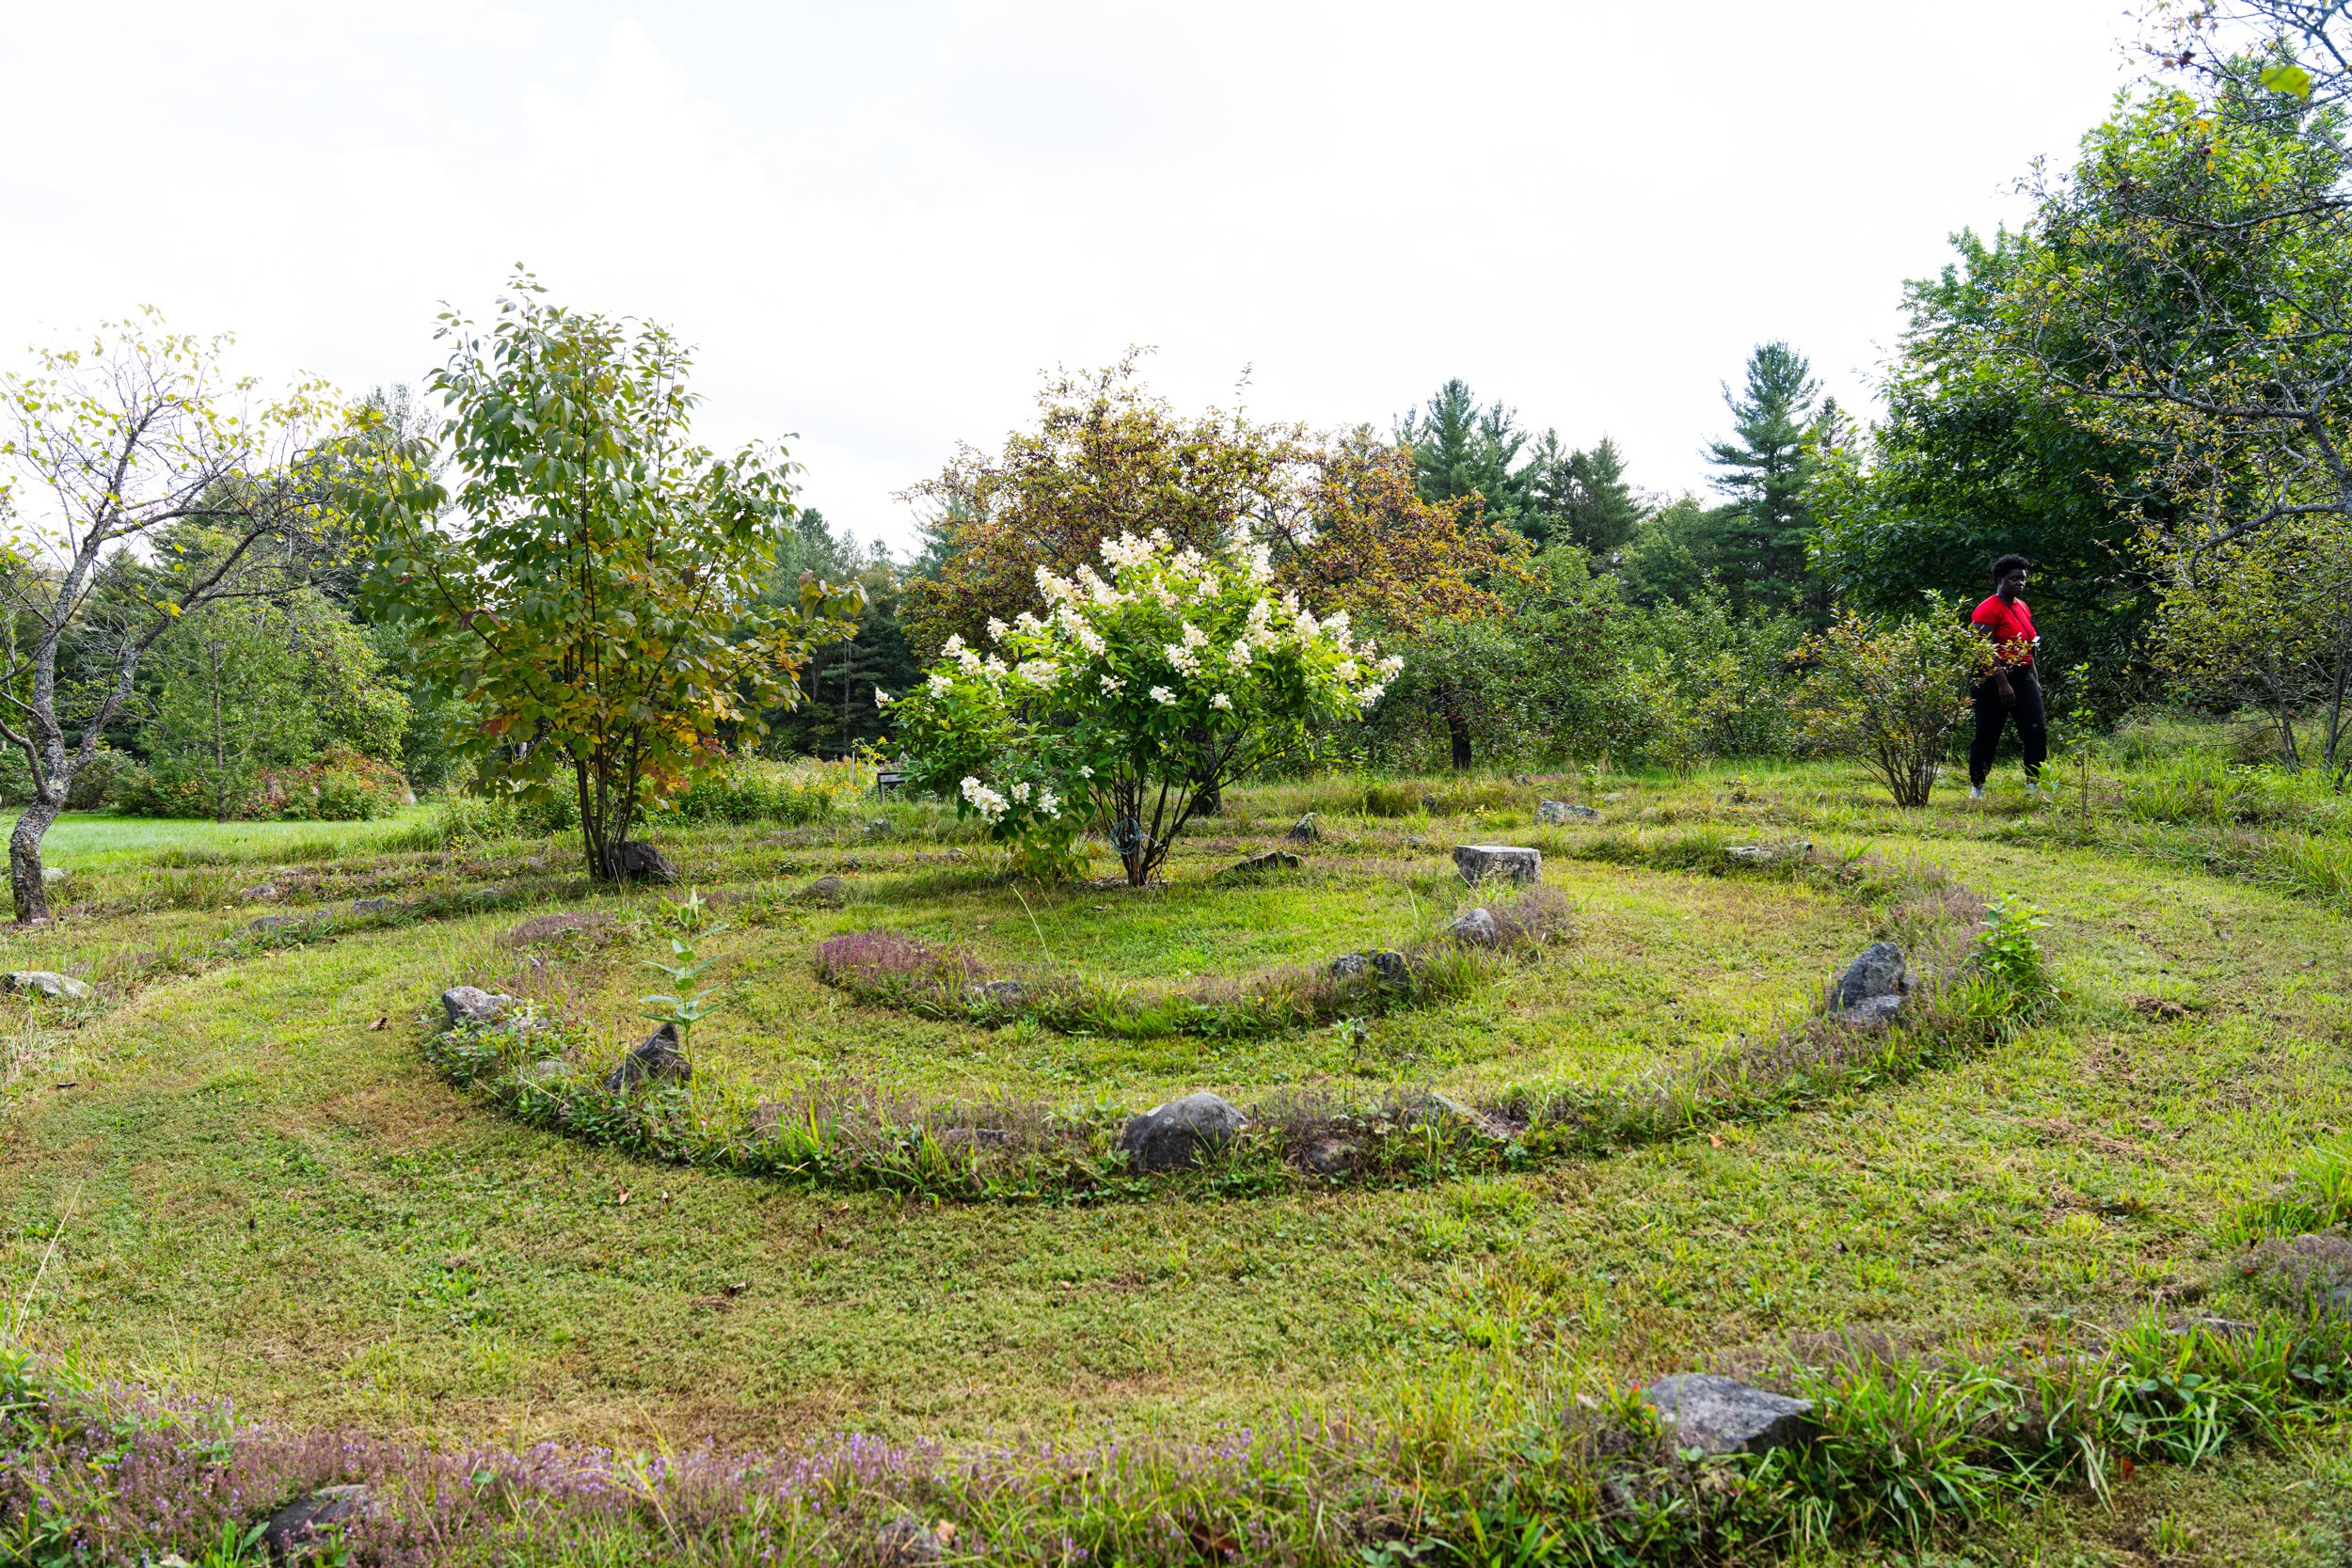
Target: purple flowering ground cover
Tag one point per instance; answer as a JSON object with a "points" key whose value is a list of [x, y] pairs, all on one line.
{"points": [[258, 1244]]}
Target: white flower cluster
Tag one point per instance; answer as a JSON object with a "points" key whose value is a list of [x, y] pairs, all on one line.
{"points": [[991, 805]]}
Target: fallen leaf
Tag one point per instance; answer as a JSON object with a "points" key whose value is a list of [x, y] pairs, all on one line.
{"points": [[624, 1198], [382, 1023], [1714, 1142]]}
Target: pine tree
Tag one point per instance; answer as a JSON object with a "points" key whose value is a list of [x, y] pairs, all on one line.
{"points": [[1461, 449], [1767, 471]]}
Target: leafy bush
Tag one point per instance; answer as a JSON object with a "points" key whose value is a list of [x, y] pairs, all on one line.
{"points": [[1890, 694], [747, 791], [1135, 698]]}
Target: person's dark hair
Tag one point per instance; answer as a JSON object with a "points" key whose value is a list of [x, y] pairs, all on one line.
{"points": [[2008, 563]]}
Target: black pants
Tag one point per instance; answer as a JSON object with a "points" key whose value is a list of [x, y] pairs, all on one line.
{"points": [[2033, 724]]}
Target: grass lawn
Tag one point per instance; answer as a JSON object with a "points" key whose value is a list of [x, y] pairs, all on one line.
{"points": [[234, 1183], [85, 841]]}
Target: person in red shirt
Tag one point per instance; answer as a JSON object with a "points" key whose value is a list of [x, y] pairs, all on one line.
{"points": [[2012, 690]]}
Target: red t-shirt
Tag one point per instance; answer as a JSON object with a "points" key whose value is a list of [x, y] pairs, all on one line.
{"points": [[2012, 626]]}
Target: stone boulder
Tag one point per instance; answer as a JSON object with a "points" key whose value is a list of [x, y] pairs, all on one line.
{"points": [[1880, 970], [1475, 928], [1304, 831], [472, 1005], [1507, 863], [308, 1522], [1348, 965], [1876, 1012], [827, 893], [1329, 1155], [1172, 1136], [1720, 1414], [1001, 993], [259, 892], [1784, 853], [656, 1059], [374, 905], [43, 982], [1441, 1111], [1551, 813], [1258, 865], [635, 861], [52, 875]]}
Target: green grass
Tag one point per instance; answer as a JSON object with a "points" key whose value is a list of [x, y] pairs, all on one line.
{"points": [[89, 841], [253, 1193]]}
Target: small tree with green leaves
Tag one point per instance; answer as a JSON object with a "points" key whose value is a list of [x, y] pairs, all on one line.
{"points": [[594, 593], [1171, 676], [1889, 694]]}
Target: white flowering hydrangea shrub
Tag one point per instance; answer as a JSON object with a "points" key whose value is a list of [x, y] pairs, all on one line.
{"points": [[1166, 676]]}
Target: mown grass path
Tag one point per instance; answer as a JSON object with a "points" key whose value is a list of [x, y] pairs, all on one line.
{"points": [[271, 1200]]}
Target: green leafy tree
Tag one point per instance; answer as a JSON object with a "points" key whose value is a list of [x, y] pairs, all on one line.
{"points": [[1169, 676], [594, 593], [1676, 552], [1765, 469], [140, 435]]}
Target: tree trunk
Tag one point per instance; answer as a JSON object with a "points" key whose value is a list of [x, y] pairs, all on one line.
{"points": [[1460, 731], [24, 879]]}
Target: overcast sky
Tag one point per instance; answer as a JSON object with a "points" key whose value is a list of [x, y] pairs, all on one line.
{"points": [[879, 221]]}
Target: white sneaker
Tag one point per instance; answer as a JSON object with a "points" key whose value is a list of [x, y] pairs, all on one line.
{"points": [[1976, 792], [2033, 787]]}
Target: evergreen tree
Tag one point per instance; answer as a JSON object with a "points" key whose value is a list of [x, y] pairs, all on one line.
{"points": [[1582, 496], [1767, 469], [1461, 449], [837, 712]]}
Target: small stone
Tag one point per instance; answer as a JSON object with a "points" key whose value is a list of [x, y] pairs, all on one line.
{"points": [[1437, 1110], [1002, 993], [1304, 830], [1509, 863], [52, 875], [260, 893], [638, 861], [43, 982], [1273, 860], [1391, 965], [275, 922], [1328, 1156], [1348, 965], [825, 891], [374, 905], [1783, 853], [307, 1520], [1475, 927], [1554, 813], [1720, 1415], [1879, 971], [1873, 1012], [472, 1005], [904, 1543], [1171, 1136], [655, 1059]]}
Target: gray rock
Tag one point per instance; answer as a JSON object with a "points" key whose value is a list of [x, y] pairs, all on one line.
{"points": [[879, 827], [1475, 927], [43, 982], [1880, 970], [1554, 813], [635, 861], [1004, 993], [52, 875], [1437, 1110], [1328, 1156], [1273, 860], [307, 1521], [1171, 1136], [1304, 830], [1391, 965], [472, 1005], [826, 891], [1767, 854], [374, 905], [1508, 862], [903, 1542], [1719, 1414], [1875, 1012], [275, 922], [656, 1059], [1348, 965], [262, 891]]}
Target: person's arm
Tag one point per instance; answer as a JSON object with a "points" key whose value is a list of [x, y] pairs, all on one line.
{"points": [[2000, 675]]}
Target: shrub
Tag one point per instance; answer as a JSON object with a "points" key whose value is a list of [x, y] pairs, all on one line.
{"points": [[747, 791], [1138, 699], [1890, 694]]}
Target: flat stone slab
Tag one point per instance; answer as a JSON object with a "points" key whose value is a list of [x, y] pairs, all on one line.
{"points": [[1257, 865], [43, 982], [1551, 813], [1508, 862], [1722, 1414]]}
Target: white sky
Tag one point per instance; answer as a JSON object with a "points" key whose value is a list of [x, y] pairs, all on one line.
{"points": [[879, 221]]}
